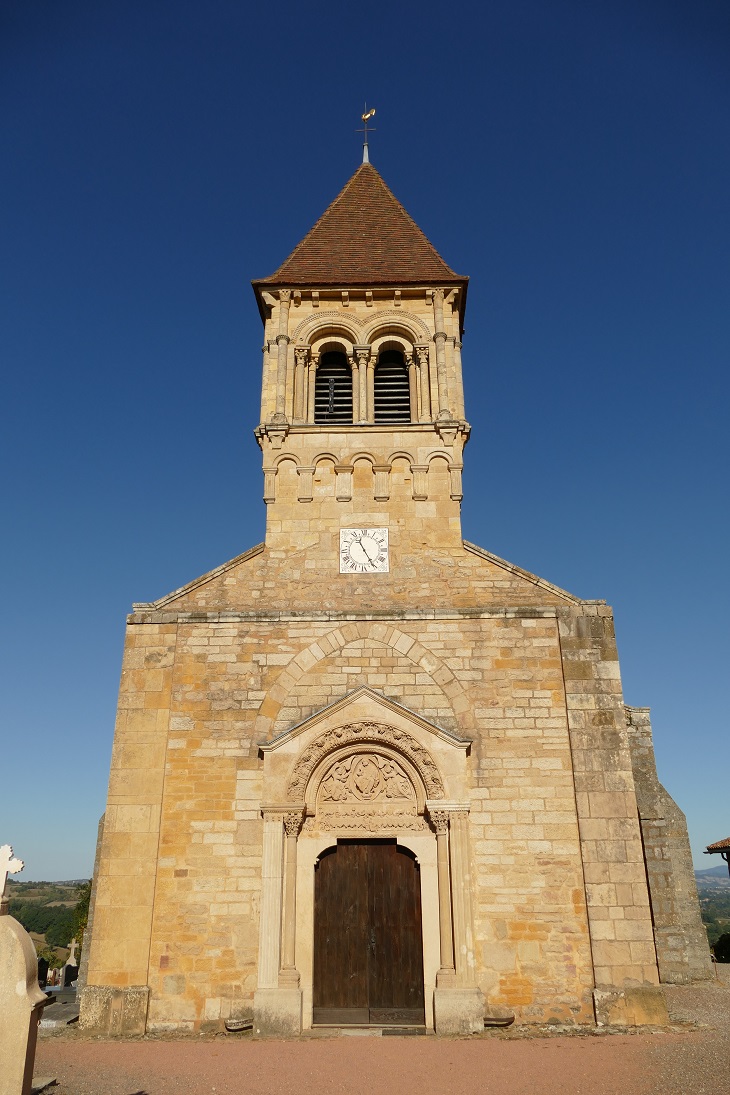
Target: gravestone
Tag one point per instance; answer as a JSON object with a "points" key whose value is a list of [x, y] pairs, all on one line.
{"points": [[21, 998], [42, 972]]}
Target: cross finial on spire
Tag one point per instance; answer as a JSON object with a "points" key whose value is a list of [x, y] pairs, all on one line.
{"points": [[365, 119]]}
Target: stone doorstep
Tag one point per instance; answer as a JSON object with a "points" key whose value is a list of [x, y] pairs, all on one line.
{"points": [[324, 1031]]}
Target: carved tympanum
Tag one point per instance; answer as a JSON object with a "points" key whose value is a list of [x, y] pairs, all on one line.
{"points": [[356, 732], [365, 777]]}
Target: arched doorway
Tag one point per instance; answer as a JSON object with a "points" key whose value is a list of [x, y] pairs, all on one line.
{"points": [[368, 940]]}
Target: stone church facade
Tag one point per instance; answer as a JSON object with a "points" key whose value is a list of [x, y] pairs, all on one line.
{"points": [[368, 772]]}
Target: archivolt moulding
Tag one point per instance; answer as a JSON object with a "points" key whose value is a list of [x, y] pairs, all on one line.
{"points": [[351, 735], [391, 319], [328, 319]]}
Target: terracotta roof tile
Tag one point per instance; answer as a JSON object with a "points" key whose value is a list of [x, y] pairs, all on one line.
{"points": [[365, 237], [720, 845]]}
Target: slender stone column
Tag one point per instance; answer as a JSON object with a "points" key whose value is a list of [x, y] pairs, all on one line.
{"points": [[412, 386], [362, 354], [355, 389], [265, 386], [459, 398], [300, 357], [282, 341], [458, 1001], [371, 390], [311, 385], [461, 897], [440, 820], [270, 920], [289, 975], [421, 353], [440, 340]]}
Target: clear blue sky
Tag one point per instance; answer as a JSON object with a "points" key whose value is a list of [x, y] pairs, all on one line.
{"points": [[573, 158]]}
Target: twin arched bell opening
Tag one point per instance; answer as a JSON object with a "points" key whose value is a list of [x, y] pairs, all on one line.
{"points": [[333, 395]]}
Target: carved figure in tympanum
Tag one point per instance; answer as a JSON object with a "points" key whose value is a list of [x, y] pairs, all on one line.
{"points": [[365, 777]]}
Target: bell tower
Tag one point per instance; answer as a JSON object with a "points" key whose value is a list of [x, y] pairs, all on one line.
{"points": [[362, 408]]}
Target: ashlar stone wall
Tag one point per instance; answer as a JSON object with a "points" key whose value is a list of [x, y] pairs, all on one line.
{"points": [[557, 866]]}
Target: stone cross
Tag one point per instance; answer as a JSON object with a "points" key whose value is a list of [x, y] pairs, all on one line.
{"points": [[8, 865], [72, 956]]}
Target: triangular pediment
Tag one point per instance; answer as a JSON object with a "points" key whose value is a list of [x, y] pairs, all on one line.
{"points": [[366, 703]]}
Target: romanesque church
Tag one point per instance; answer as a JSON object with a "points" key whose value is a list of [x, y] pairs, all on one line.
{"points": [[368, 773]]}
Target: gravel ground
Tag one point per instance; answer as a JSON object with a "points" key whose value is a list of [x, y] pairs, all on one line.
{"points": [[692, 1059]]}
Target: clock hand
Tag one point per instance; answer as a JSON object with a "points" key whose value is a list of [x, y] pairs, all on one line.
{"points": [[371, 558], [358, 543]]}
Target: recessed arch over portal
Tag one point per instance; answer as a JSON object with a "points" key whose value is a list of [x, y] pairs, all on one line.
{"points": [[368, 770]]}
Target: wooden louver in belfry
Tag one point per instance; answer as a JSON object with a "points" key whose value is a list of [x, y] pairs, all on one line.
{"points": [[333, 389], [392, 397]]}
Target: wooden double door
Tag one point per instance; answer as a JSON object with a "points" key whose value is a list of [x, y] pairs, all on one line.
{"points": [[368, 948]]}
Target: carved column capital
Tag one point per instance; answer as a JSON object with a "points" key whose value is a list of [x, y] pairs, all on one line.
{"points": [[421, 352], [285, 295], [362, 353], [300, 354], [292, 823], [440, 821]]}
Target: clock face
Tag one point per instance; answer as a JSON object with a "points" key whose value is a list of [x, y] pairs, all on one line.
{"points": [[363, 550]]}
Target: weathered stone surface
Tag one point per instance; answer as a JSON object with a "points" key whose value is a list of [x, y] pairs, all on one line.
{"points": [[458, 1011], [277, 1013], [683, 953], [114, 1011], [642, 1006]]}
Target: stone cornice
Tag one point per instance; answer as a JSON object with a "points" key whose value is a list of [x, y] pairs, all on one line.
{"points": [[150, 614]]}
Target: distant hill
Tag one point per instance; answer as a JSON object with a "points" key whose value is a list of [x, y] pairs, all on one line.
{"points": [[720, 871], [713, 887]]}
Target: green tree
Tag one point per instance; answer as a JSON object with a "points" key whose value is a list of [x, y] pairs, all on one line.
{"points": [[81, 914], [60, 932], [721, 949]]}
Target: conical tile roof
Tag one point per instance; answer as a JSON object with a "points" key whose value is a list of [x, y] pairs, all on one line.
{"points": [[365, 237]]}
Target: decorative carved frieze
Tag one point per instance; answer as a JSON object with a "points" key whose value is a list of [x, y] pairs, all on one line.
{"points": [[355, 733], [366, 818]]}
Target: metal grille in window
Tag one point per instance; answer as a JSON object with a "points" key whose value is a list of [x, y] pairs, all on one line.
{"points": [[333, 389], [392, 396]]}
